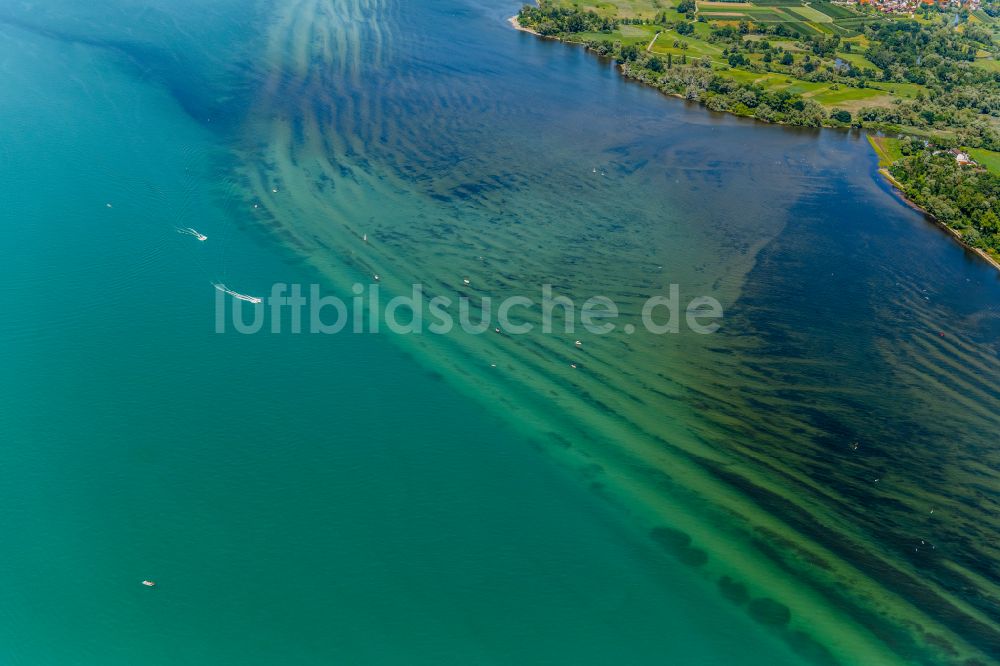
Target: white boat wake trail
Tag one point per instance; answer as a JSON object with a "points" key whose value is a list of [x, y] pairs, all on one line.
{"points": [[235, 294]]}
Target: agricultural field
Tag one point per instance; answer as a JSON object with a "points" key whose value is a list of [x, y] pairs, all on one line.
{"points": [[810, 14], [806, 18]]}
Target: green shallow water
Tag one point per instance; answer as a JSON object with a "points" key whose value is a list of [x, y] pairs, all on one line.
{"points": [[466, 499]]}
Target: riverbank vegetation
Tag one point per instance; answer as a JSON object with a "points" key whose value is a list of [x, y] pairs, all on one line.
{"points": [[931, 78], [963, 197]]}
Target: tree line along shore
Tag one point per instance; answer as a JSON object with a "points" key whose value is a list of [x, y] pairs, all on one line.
{"points": [[926, 84]]}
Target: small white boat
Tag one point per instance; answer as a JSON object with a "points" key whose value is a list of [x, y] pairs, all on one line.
{"points": [[149, 583], [466, 280], [235, 294], [192, 232]]}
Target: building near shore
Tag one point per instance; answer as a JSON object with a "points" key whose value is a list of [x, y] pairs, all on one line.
{"points": [[911, 6]]}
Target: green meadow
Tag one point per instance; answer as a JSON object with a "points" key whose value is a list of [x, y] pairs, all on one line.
{"points": [[640, 35], [987, 158], [991, 64], [886, 148], [624, 8]]}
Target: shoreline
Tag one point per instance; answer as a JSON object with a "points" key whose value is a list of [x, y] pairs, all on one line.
{"points": [[896, 185], [954, 233], [517, 26]]}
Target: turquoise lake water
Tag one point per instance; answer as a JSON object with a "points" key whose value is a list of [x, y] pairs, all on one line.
{"points": [[380, 499]]}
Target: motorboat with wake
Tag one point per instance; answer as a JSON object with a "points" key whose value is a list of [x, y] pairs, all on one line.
{"points": [[235, 294], [192, 232]]}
